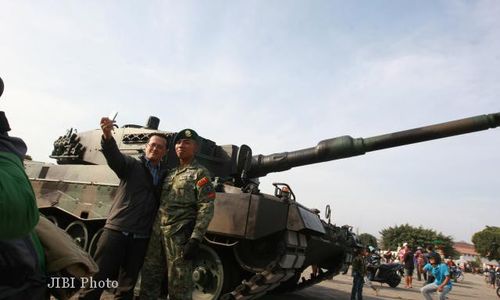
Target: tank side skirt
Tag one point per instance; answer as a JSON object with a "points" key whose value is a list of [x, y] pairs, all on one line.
{"points": [[277, 272]]}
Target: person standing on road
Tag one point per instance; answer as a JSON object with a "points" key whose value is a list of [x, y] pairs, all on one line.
{"points": [[186, 209], [372, 262], [358, 274], [409, 266], [442, 283], [388, 256], [492, 273], [402, 252], [420, 262], [122, 246]]}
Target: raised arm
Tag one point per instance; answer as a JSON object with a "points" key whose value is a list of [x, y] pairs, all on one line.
{"points": [[116, 160]]}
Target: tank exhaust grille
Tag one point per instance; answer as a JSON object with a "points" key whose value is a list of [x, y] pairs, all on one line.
{"points": [[135, 138]]}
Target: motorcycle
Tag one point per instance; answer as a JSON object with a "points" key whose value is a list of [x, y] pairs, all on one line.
{"points": [[456, 274], [384, 273]]}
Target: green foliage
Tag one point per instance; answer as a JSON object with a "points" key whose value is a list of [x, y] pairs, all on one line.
{"points": [[487, 242], [368, 240], [393, 237]]}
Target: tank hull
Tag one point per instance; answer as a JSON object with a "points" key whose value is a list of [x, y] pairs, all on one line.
{"points": [[79, 203]]}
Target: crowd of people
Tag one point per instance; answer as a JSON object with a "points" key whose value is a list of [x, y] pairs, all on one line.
{"points": [[428, 265]]}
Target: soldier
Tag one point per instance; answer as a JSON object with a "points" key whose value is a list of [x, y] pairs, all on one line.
{"points": [[358, 273], [186, 209], [121, 249]]}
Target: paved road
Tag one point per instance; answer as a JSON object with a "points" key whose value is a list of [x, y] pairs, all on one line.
{"points": [[339, 288]]}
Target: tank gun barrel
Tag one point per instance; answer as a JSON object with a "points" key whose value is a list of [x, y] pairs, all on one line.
{"points": [[346, 146]]}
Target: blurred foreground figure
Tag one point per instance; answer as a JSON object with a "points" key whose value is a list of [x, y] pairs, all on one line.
{"points": [[22, 265]]}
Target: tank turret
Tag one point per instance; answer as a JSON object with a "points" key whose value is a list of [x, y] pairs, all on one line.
{"points": [[236, 163]]}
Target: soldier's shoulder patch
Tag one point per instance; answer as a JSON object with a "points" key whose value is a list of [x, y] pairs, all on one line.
{"points": [[202, 181]]}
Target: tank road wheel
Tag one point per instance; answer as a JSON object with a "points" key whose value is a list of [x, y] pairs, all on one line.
{"points": [[214, 273], [52, 219], [94, 240], [208, 274], [79, 232]]}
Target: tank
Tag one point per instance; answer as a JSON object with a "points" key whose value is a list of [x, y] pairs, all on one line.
{"points": [[256, 242]]}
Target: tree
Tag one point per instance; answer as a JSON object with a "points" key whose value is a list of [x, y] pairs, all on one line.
{"points": [[393, 237], [476, 263], [367, 239], [487, 242]]}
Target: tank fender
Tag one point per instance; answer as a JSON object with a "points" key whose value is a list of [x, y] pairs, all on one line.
{"points": [[300, 218]]}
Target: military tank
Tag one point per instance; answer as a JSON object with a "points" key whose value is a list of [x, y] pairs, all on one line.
{"points": [[256, 242]]}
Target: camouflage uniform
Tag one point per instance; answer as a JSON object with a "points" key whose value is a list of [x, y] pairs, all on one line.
{"points": [[186, 209], [154, 269]]}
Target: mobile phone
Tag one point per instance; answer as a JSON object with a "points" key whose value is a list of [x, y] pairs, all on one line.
{"points": [[113, 115]]}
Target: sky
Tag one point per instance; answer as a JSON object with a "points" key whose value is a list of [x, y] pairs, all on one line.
{"points": [[279, 76]]}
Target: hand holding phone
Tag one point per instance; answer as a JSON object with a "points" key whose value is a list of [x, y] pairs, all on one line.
{"points": [[112, 116], [107, 124]]}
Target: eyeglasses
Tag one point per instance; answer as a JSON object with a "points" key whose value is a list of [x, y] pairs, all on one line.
{"points": [[157, 146]]}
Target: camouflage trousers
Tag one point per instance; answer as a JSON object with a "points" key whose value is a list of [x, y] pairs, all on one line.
{"points": [[165, 253], [154, 269], [180, 280]]}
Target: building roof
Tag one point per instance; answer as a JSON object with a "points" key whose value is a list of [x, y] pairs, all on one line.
{"points": [[465, 248]]}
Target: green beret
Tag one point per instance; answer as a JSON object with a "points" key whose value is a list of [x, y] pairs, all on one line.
{"points": [[188, 134]]}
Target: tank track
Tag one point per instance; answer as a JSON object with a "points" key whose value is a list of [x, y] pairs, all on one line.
{"points": [[278, 271], [305, 283]]}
